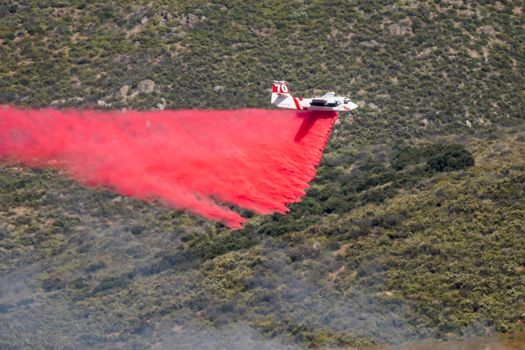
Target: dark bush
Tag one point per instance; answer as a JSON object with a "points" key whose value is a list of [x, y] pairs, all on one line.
{"points": [[96, 266], [112, 282], [452, 157], [3, 233], [208, 249], [380, 195], [438, 157], [179, 261], [52, 284], [4, 308], [137, 230], [414, 155], [79, 283]]}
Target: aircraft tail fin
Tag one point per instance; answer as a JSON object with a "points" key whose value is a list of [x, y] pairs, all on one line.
{"points": [[280, 87], [279, 90]]}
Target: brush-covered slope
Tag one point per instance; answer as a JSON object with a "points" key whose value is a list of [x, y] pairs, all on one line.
{"points": [[416, 254], [411, 62], [400, 237]]}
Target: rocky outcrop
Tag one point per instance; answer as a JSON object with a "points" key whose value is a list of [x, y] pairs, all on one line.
{"points": [[162, 104], [146, 86], [487, 30], [218, 89], [401, 28], [124, 91]]}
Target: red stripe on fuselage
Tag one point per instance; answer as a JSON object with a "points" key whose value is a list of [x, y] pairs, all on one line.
{"points": [[297, 105]]}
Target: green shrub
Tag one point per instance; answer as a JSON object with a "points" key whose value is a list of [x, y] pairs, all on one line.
{"points": [[112, 282], [96, 266], [438, 157], [52, 284], [452, 157]]}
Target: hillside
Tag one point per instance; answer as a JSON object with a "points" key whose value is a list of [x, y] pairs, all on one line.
{"points": [[402, 235]]}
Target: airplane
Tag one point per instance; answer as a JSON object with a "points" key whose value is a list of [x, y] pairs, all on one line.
{"points": [[281, 98]]}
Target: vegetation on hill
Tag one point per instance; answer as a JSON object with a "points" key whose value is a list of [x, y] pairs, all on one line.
{"points": [[413, 227]]}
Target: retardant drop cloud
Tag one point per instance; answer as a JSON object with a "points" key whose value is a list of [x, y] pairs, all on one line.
{"points": [[194, 160]]}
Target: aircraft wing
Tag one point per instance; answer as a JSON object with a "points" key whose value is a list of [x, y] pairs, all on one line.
{"points": [[328, 95]]}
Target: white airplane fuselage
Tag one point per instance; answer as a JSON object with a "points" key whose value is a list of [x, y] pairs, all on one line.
{"points": [[281, 98]]}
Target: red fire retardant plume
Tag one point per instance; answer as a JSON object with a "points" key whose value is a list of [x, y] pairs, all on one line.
{"points": [[193, 160]]}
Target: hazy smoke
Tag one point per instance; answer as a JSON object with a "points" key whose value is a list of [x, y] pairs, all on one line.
{"points": [[232, 337], [196, 160]]}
